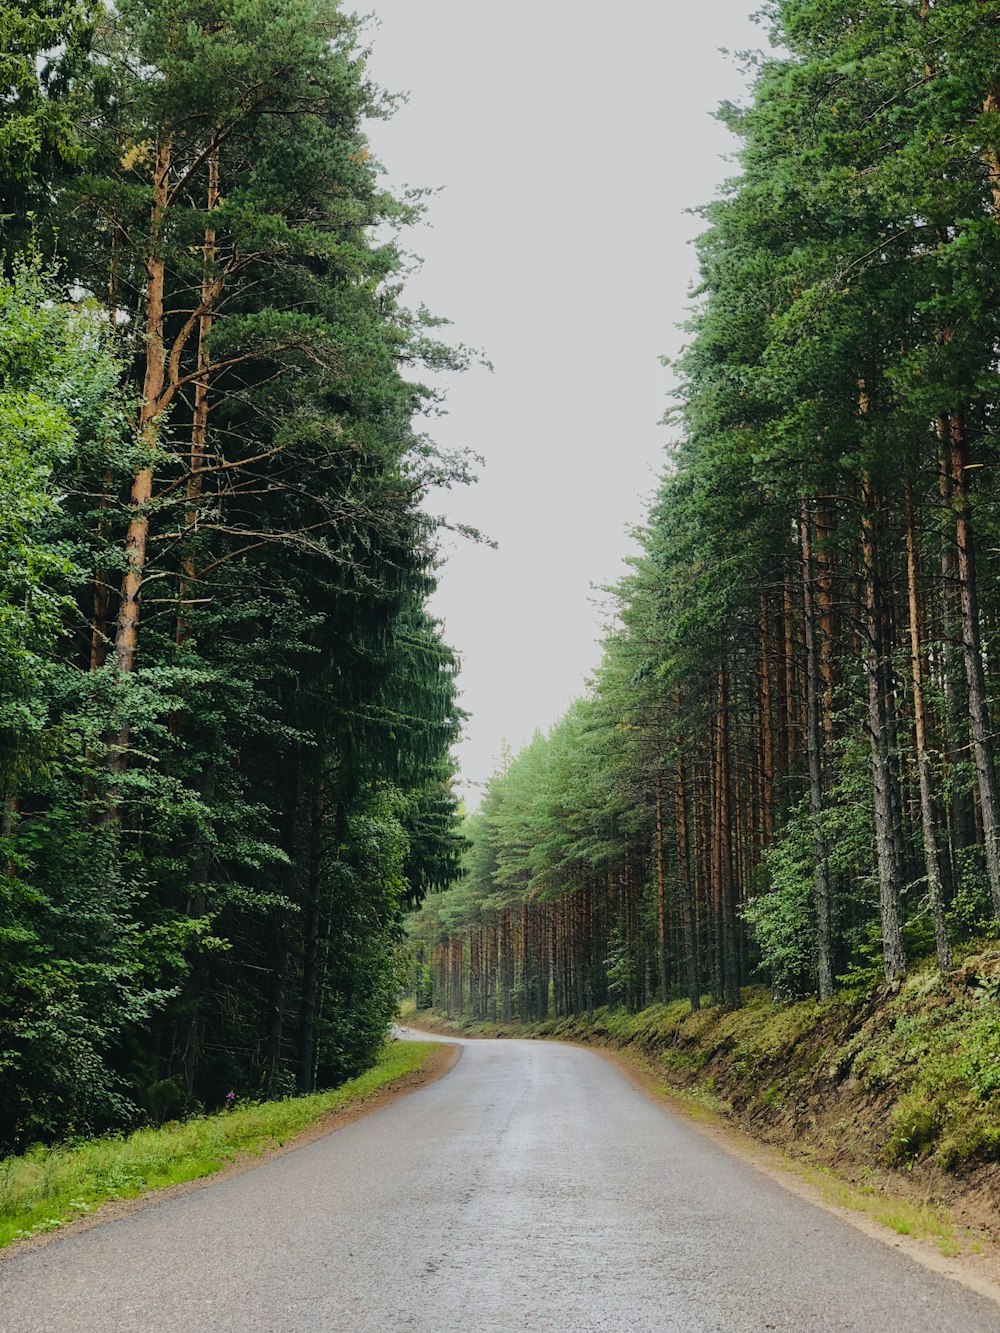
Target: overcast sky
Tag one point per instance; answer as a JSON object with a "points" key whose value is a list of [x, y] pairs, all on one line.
{"points": [[568, 140]]}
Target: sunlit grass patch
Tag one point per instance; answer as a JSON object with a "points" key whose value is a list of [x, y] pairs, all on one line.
{"points": [[922, 1221]]}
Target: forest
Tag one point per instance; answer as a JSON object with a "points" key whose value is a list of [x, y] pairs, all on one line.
{"points": [[225, 710], [784, 772]]}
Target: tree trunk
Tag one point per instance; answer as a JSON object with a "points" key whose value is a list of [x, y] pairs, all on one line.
{"points": [[727, 888], [661, 895], [982, 741], [961, 819], [825, 608], [789, 673], [199, 421], [310, 943], [814, 737], [127, 632], [991, 156], [894, 957], [931, 865], [766, 728]]}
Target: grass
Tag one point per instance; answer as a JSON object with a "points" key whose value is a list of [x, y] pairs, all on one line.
{"points": [[922, 1221], [46, 1187]]}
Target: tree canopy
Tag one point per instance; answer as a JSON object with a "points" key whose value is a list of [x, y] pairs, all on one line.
{"points": [[226, 711]]}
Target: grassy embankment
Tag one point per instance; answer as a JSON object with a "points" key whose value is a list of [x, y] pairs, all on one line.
{"points": [[48, 1187], [879, 1093]]}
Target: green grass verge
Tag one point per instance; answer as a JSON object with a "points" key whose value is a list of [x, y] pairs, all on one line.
{"points": [[47, 1187], [922, 1221]]}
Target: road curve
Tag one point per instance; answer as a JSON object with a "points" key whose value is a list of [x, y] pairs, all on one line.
{"points": [[531, 1189]]}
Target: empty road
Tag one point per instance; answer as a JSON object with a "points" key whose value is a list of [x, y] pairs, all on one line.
{"points": [[532, 1188]]}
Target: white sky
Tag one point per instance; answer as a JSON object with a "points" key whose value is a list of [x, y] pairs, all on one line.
{"points": [[569, 139]]}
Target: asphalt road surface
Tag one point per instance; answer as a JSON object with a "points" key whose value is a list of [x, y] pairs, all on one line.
{"points": [[532, 1188]]}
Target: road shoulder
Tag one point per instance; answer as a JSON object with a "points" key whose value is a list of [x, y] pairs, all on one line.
{"points": [[439, 1062], [979, 1272]]}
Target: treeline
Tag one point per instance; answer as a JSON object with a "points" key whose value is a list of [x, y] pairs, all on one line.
{"points": [[225, 713], [786, 768]]}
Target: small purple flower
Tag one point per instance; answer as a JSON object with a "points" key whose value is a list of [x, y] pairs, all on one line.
{"points": [[230, 1100]]}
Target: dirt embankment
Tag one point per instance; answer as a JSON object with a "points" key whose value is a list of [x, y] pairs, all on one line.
{"points": [[895, 1090]]}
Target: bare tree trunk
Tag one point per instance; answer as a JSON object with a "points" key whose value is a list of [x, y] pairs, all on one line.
{"points": [[310, 956], [506, 967], [894, 956], [713, 837], [825, 608], [126, 636], [982, 740], [814, 737], [908, 869], [767, 728], [991, 157], [199, 422], [789, 673], [727, 887], [661, 895], [931, 864], [959, 798]]}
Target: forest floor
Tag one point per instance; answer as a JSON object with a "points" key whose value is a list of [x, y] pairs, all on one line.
{"points": [[50, 1191], [886, 1100]]}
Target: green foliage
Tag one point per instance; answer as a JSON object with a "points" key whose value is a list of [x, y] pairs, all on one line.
{"points": [[44, 46], [207, 842], [58, 399], [781, 914], [915, 1127], [936, 1051]]}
